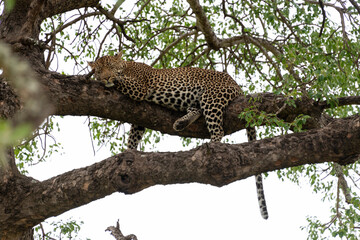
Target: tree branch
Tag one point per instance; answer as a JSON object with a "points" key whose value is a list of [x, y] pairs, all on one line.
{"points": [[116, 232], [213, 163], [52, 35], [73, 96], [356, 5], [120, 23], [171, 45], [204, 24], [350, 100], [53, 7], [80, 96], [342, 183]]}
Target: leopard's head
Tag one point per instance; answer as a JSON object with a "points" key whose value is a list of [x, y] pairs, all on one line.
{"points": [[107, 68]]}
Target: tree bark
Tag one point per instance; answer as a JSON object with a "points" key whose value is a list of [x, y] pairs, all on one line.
{"points": [[80, 96], [27, 202]]}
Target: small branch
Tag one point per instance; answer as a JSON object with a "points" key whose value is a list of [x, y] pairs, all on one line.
{"points": [[116, 232], [193, 61], [287, 23], [356, 5], [171, 45], [321, 3], [142, 8], [342, 183], [118, 22], [231, 16], [204, 24], [62, 27], [264, 51], [341, 11], [342, 101]]}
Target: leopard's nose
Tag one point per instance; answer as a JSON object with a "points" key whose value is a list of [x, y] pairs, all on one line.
{"points": [[105, 77]]}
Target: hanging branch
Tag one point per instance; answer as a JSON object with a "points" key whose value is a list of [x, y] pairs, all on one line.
{"points": [[321, 3], [116, 232]]}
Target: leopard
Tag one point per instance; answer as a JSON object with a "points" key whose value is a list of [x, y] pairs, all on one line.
{"points": [[196, 91]]}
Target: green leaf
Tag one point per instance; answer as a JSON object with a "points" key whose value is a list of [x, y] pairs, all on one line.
{"points": [[9, 5]]}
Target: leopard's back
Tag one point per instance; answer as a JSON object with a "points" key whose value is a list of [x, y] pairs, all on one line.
{"points": [[181, 88]]}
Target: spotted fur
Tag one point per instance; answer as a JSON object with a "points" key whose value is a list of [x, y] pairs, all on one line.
{"points": [[195, 90]]}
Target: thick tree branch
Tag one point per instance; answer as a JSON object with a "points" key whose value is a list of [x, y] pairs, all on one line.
{"points": [[73, 96], [54, 7], [343, 101], [80, 96], [214, 163]]}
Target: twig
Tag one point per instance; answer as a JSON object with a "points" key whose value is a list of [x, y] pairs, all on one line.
{"points": [[321, 3], [342, 182], [119, 22], [62, 27], [116, 232], [171, 45], [142, 8]]}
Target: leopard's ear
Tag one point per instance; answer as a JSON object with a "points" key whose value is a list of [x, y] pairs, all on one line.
{"points": [[91, 64], [119, 55]]}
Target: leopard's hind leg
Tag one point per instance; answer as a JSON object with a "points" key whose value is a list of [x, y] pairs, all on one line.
{"points": [[135, 135], [213, 111]]}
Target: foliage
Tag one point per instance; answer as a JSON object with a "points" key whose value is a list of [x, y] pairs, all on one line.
{"points": [[39, 147], [59, 230], [113, 134]]}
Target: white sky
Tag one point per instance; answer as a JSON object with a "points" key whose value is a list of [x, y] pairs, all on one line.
{"points": [[186, 211]]}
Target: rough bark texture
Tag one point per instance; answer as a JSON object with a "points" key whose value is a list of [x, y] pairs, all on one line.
{"points": [[25, 202], [80, 96]]}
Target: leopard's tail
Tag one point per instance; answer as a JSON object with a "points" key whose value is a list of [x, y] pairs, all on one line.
{"points": [[251, 134]]}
